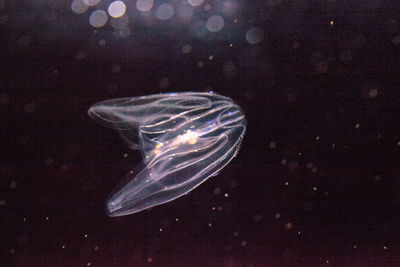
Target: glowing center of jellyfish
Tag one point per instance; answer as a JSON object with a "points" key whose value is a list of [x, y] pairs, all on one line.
{"points": [[185, 138], [188, 138]]}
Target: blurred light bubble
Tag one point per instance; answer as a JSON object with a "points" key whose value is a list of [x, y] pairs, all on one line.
{"points": [[185, 11], [78, 7], [13, 184], [396, 40], [117, 9], [98, 18], [200, 64], [272, 145], [102, 42], [288, 226], [198, 29], [30, 108], [195, 2], [144, 5], [165, 11], [373, 93], [91, 2], [2, 202], [229, 7], [81, 55], [207, 7], [186, 49], [215, 23], [254, 35]]}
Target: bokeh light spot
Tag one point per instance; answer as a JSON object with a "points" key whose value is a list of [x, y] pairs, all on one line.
{"points": [[91, 2], [165, 11], [198, 29], [78, 7], [98, 18], [186, 49], [144, 5], [117, 9], [195, 3], [254, 35], [215, 23]]}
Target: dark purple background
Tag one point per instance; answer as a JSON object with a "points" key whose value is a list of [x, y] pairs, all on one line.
{"points": [[307, 78]]}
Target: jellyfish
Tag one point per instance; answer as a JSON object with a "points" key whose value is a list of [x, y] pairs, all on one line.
{"points": [[184, 138]]}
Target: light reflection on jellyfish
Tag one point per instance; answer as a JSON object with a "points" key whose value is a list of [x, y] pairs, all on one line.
{"points": [[184, 138]]}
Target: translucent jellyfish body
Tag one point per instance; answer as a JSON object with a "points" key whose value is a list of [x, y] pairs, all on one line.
{"points": [[185, 138]]}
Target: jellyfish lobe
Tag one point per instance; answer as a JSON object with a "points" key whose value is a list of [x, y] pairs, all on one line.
{"points": [[185, 138]]}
